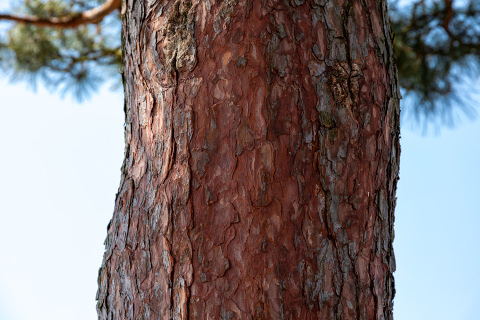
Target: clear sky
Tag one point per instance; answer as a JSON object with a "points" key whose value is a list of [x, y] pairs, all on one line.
{"points": [[59, 172]]}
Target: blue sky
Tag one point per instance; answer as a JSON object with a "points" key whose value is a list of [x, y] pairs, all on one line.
{"points": [[437, 225], [59, 172]]}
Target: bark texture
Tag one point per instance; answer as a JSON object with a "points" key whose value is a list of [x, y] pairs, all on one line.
{"points": [[261, 162]]}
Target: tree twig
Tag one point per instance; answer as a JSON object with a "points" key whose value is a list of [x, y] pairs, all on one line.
{"points": [[72, 20]]}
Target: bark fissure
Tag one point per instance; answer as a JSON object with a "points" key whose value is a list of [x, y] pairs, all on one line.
{"points": [[262, 141]]}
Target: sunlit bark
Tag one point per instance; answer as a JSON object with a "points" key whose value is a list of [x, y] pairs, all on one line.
{"points": [[261, 162]]}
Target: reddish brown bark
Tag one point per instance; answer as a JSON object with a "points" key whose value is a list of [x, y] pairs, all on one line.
{"points": [[262, 148]]}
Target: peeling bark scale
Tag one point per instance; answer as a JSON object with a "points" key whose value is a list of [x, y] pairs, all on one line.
{"points": [[261, 162]]}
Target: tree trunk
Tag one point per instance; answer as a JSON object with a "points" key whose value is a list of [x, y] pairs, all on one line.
{"points": [[261, 162]]}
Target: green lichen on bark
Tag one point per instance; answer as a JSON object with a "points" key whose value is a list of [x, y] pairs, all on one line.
{"points": [[326, 119], [179, 35]]}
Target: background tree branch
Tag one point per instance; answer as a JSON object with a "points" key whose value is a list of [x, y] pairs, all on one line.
{"points": [[71, 20]]}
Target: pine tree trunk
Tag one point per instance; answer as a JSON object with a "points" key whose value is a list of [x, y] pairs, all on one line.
{"points": [[261, 162]]}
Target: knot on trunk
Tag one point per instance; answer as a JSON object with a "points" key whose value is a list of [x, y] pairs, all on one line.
{"points": [[344, 83]]}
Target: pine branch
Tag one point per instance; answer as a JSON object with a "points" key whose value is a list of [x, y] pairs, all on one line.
{"points": [[72, 20], [437, 50]]}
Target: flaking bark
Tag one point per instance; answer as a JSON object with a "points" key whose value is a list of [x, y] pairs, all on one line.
{"points": [[262, 153]]}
